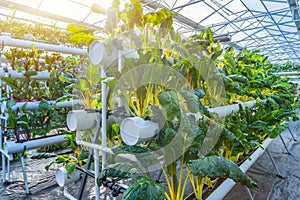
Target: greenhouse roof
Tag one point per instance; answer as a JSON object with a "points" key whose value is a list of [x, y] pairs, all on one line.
{"points": [[269, 25]]}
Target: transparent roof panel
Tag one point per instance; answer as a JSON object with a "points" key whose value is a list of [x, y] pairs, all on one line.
{"points": [[269, 25]]}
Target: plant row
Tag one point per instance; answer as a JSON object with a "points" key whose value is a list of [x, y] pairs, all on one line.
{"points": [[172, 82]]}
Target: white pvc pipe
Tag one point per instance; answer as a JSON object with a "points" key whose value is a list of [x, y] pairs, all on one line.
{"points": [[81, 120], [8, 170], [221, 191], [120, 62], [35, 105], [135, 130], [68, 195], [43, 75], [249, 162], [8, 156], [61, 176], [13, 147], [68, 104], [224, 111], [97, 173], [103, 116], [3, 168], [106, 150], [2, 73], [8, 41], [289, 73]]}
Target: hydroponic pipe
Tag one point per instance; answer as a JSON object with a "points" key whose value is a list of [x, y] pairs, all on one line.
{"points": [[2, 73], [44, 75], [289, 73], [224, 111], [62, 179], [35, 105], [105, 149], [14, 147], [68, 195], [8, 41]]}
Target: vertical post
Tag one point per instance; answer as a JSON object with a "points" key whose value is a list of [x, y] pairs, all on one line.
{"points": [[3, 167], [284, 144], [103, 131], [8, 170], [24, 174], [103, 116], [97, 169], [84, 178], [1, 135], [292, 134], [120, 60], [273, 162], [120, 67], [89, 161]]}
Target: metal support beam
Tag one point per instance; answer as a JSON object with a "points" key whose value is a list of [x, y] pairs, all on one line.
{"points": [[182, 19], [37, 12]]}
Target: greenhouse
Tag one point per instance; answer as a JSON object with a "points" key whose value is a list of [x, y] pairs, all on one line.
{"points": [[150, 100]]}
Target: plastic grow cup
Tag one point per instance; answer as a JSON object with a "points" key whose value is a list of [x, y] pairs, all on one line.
{"points": [[62, 178], [96, 52], [136, 130], [81, 120]]}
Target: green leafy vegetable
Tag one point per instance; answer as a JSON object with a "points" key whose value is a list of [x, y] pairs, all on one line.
{"points": [[144, 189], [218, 167]]}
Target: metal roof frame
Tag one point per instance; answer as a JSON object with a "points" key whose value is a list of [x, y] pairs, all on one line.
{"points": [[273, 30], [272, 26]]}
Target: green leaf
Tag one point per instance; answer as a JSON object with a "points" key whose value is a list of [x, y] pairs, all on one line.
{"points": [[165, 26], [10, 103], [158, 116], [230, 60], [93, 74], [216, 54], [278, 130], [239, 78], [144, 189], [70, 167], [118, 170], [84, 155], [273, 102], [64, 79], [166, 136], [209, 35], [192, 101], [45, 105], [129, 149], [199, 92], [181, 50], [22, 123], [218, 167], [169, 101], [144, 157]]}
